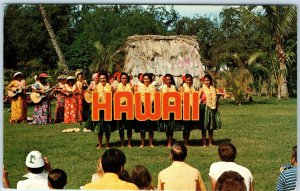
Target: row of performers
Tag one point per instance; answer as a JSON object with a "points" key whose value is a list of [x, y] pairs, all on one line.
{"points": [[69, 106]]}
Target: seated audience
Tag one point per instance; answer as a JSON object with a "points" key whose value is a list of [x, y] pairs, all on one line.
{"points": [[227, 153], [230, 181], [141, 177], [113, 162], [57, 179], [38, 167], [288, 177], [180, 175]]}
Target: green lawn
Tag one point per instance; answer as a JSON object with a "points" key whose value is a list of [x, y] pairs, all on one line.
{"points": [[263, 132]]}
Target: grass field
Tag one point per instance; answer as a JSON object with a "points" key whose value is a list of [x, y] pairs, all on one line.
{"points": [[263, 132]]}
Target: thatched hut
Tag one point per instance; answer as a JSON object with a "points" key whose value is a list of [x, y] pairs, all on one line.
{"points": [[160, 55]]}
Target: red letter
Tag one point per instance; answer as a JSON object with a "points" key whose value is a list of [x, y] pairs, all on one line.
{"points": [[119, 108], [147, 114], [97, 106], [186, 106], [167, 108], [195, 106]]}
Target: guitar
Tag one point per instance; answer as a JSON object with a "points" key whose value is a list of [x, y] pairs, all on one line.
{"points": [[12, 92], [37, 97], [88, 97]]}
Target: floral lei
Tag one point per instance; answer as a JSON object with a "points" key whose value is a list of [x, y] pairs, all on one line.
{"points": [[165, 88], [102, 89], [190, 90], [150, 89], [211, 98], [122, 88]]}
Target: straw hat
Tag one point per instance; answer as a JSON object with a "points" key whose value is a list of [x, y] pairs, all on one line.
{"points": [[70, 78], [17, 74], [62, 77]]}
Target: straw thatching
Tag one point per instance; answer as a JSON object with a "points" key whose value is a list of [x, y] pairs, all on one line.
{"points": [[160, 55]]}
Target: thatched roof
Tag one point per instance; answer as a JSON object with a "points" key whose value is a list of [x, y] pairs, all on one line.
{"points": [[176, 55]]}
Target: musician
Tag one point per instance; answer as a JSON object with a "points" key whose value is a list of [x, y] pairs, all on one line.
{"points": [[70, 109], [18, 104], [42, 109], [60, 99], [122, 124], [187, 86], [81, 85]]}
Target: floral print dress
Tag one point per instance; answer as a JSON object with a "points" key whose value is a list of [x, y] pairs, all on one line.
{"points": [[42, 110]]}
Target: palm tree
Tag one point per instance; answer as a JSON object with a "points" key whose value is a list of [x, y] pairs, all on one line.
{"points": [[277, 22], [62, 62]]}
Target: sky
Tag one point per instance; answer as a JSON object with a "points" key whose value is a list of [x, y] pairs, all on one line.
{"points": [[201, 10]]}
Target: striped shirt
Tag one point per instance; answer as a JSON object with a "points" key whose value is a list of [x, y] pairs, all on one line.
{"points": [[287, 180]]}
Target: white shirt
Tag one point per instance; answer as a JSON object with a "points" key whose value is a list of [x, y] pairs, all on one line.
{"points": [[34, 181], [217, 168]]}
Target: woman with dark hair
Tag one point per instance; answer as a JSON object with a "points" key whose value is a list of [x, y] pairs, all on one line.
{"points": [[103, 126], [82, 85], [141, 178], [208, 110], [18, 103], [70, 108], [169, 126], [187, 87], [122, 124], [42, 109], [147, 125]]}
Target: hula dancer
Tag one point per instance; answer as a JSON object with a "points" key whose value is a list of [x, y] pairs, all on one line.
{"points": [[122, 124], [187, 86], [103, 126], [147, 125], [169, 126], [208, 110]]}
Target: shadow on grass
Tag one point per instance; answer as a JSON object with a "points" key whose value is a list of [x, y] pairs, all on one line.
{"points": [[192, 142]]}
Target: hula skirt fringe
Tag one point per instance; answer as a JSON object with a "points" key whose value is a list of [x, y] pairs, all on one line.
{"points": [[211, 119], [100, 126]]}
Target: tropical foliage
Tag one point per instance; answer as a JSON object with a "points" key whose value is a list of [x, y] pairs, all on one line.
{"points": [[260, 41]]}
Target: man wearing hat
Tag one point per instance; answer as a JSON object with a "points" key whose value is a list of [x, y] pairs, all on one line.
{"points": [[16, 90], [42, 109], [37, 178], [60, 99]]}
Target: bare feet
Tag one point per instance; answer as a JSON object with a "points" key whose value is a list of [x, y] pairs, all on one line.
{"points": [[141, 146], [129, 146], [152, 146]]}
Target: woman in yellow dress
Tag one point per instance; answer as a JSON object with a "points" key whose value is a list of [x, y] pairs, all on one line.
{"points": [[18, 103]]}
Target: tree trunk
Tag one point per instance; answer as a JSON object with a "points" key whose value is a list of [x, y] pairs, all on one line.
{"points": [[282, 86], [62, 62]]}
